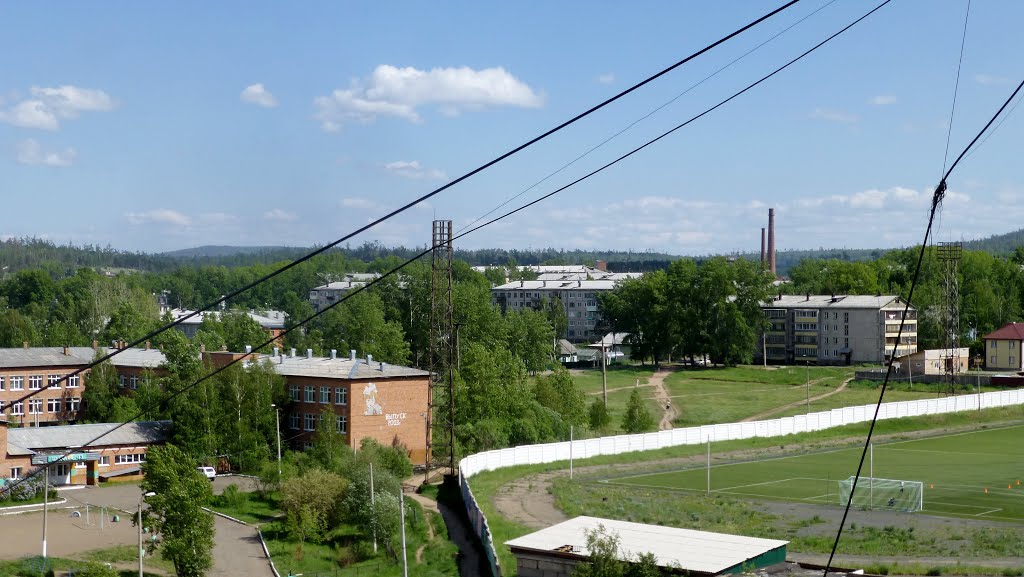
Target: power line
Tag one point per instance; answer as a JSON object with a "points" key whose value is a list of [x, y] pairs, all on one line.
{"points": [[354, 292], [937, 196], [648, 115], [956, 86], [422, 198]]}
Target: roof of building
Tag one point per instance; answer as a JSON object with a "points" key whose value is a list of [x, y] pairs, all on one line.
{"points": [[45, 357], [266, 319], [610, 340], [28, 440], [690, 550], [1009, 331], [835, 301], [540, 285], [340, 368], [566, 348], [596, 275], [929, 354]]}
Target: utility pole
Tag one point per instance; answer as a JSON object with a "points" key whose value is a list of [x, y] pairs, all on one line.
{"points": [[277, 419], [46, 502], [604, 373], [373, 506], [807, 368], [405, 559]]}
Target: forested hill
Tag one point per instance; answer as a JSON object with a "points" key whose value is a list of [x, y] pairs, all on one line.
{"points": [[60, 260]]}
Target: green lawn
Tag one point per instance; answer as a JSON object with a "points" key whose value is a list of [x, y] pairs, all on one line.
{"points": [[975, 474], [619, 375]]}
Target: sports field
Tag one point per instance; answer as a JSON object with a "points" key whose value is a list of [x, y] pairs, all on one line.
{"points": [[976, 474]]}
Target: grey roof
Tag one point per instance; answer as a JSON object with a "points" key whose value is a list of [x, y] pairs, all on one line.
{"points": [[836, 302], [698, 551], [267, 319], [540, 285], [139, 358], [566, 348], [45, 357], [610, 340], [32, 439], [340, 368]]}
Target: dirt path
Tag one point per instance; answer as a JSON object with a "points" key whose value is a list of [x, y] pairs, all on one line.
{"points": [[770, 412], [657, 381], [429, 505]]}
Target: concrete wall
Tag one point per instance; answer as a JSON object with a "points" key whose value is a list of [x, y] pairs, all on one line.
{"points": [[536, 565]]}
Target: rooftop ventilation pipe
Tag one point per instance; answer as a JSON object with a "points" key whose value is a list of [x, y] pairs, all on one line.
{"points": [[334, 354], [293, 352], [248, 349], [369, 359], [309, 353], [352, 355]]}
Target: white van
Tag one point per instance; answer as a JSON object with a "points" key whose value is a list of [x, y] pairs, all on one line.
{"points": [[210, 472]]}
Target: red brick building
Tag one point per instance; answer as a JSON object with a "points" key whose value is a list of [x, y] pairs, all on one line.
{"points": [[120, 453], [369, 398]]}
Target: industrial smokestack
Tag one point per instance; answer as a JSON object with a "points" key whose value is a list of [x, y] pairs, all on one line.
{"points": [[762, 245], [771, 240]]}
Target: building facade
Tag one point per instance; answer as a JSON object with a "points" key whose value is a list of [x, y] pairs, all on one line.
{"points": [[39, 370], [836, 330], [1003, 348], [578, 297], [120, 453], [935, 362], [324, 296], [366, 399]]}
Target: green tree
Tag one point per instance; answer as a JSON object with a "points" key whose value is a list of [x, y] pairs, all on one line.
{"points": [[637, 419], [17, 328], [312, 503], [359, 324], [530, 338], [559, 393], [101, 391], [598, 416], [607, 559], [176, 510]]}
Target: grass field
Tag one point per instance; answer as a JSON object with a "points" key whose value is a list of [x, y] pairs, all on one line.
{"points": [[976, 474]]}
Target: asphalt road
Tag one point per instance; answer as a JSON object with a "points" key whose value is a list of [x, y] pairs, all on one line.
{"points": [[237, 551]]}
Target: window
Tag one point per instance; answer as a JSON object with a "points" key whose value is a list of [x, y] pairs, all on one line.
{"points": [[123, 380], [52, 380], [72, 382], [995, 344], [53, 405], [293, 421], [17, 383], [310, 394], [1, 383], [35, 382], [126, 459], [104, 460], [846, 317], [309, 421], [18, 409], [341, 396], [991, 361], [35, 406], [325, 395], [1013, 360], [293, 392], [133, 382], [73, 403], [342, 423], [15, 473]]}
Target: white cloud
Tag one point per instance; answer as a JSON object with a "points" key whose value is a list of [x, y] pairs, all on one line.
{"points": [[48, 106], [883, 100], [990, 79], [833, 116], [279, 215], [257, 94], [217, 218], [412, 169], [398, 92], [31, 152], [360, 203], [606, 78], [159, 216]]}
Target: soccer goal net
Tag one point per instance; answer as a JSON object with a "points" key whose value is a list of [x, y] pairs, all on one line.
{"points": [[886, 494]]}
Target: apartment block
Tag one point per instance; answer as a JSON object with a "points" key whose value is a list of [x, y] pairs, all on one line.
{"points": [[324, 296], [836, 329], [578, 297]]}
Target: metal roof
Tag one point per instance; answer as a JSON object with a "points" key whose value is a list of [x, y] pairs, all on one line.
{"points": [[698, 551], [340, 368], [836, 301], [269, 319], [45, 357], [33, 439], [1009, 331], [554, 285]]}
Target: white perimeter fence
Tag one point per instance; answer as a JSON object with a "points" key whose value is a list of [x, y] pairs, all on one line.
{"points": [[584, 448]]}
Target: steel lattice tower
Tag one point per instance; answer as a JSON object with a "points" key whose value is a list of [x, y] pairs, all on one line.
{"points": [[442, 347], [949, 253]]}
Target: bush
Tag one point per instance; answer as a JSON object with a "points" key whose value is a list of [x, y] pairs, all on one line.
{"points": [[231, 498], [96, 570]]}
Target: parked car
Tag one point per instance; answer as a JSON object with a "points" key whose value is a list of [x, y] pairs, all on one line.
{"points": [[210, 472]]}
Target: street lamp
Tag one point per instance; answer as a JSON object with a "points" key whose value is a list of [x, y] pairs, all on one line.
{"points": [[277, 420], [141, 550]]}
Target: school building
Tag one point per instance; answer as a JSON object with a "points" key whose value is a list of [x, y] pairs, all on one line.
{"points": [[119, 454]]}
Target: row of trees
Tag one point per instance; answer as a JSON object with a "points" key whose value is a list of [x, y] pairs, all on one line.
{"points": [[691, 311]]}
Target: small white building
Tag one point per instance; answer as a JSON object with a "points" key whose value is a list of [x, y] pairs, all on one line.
{"points": [[555, 551]]}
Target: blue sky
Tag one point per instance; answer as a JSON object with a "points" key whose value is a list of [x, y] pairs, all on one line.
{"points": [[162, 126]]}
